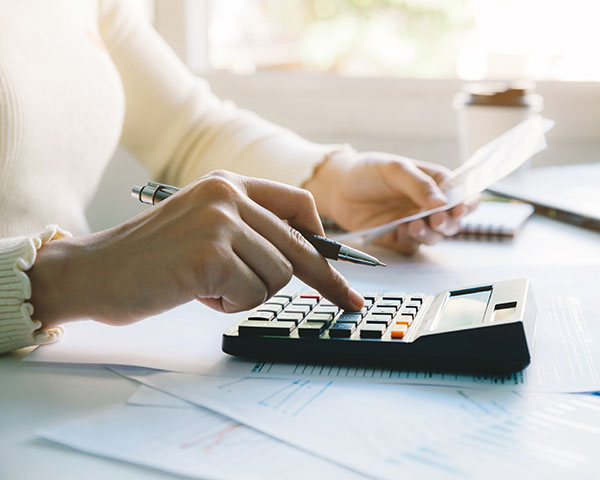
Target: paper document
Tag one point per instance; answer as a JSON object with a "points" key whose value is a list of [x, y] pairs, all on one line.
{"points": [[565, 354], [184, 439], [381, 430], [488, 165], [565, 358]]}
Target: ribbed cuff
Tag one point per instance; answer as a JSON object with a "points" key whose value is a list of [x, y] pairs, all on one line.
{"points": [[17, 256]]}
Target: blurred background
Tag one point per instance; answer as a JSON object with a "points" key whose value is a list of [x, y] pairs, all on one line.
{"points": [[381, 74]]}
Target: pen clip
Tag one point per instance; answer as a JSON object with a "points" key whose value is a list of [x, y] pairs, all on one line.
{"points": [[147, 193]]}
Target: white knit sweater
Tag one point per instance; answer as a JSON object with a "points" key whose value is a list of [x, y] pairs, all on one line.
{"points": [[78, 77]]}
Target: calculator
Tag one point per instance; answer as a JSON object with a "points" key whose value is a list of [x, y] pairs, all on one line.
{"points": [[478, 329]]}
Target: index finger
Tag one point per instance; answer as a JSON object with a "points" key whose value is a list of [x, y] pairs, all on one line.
{"points": [[308, 264]]}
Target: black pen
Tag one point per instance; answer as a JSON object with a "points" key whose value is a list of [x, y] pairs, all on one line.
{"points": [[153, 193]]}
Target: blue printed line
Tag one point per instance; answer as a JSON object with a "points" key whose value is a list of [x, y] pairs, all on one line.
{"points": [[312, 399]]}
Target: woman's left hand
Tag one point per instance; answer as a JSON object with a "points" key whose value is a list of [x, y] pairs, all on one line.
{"points": [[362, 190]]}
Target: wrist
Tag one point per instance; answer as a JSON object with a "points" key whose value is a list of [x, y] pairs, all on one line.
{"points": [[58, 283]]}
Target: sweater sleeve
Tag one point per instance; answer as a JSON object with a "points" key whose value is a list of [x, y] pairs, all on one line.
{"points": [[17, 328], [178, 128]]}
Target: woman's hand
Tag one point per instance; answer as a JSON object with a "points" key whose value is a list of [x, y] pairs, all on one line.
{"points": [[362, 190], [220, 240]]}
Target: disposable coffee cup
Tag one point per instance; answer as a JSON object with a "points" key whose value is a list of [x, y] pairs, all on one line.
{"points": [[488, 109]]}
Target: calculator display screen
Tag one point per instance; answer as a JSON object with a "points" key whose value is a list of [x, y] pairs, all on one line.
{"points": [[463, 309]]}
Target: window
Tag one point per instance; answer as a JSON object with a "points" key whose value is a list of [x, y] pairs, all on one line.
{"points": [[468, 39]]}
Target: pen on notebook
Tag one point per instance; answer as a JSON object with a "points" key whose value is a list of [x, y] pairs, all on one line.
{"points": [[153, 193]]}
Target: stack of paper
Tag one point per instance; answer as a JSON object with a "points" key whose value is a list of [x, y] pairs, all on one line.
{"points": [[203, 414]]}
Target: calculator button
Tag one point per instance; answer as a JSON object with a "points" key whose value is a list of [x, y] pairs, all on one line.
{"points": [[320, 317], [290, 317], [350, 318], [303, 309], [384, 319], [278, 301], [395, 304], [311, 329], [258, 328], [398, 331], [326, 309], [383, 310], [409, 317], [369, 301], [326, 303], [411, 309], [270, 307], [261, 316], [419, 300], [283, 296], [310, 301], [373, 330], [342, 330], [392, 298], [364, 311], [369, 298], [404, 321], [316, 297]]}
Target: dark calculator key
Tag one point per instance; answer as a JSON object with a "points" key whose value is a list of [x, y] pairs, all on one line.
{"points": [[390, 304], [289, 298], [364, 311], [392, 297], [372, 330], [270, 307], [327, 303], [383, 310], [411, 308], [290, 317], [350, 317], [342, 330], [311, 329], [419, 300], [277, 300], [320, 317], [384, 319], [261, 316], [368, 302], [303, 309], [310, 301], [326, 309], [260, 328], [369, 298]]}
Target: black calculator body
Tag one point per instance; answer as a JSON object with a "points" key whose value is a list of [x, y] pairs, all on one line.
{"points": [[479, 329]]}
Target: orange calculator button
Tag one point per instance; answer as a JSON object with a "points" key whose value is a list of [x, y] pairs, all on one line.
{"points": [[404, 322], [398, 331]]}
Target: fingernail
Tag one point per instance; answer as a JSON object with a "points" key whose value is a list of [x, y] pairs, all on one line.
{"points": [[356, 298], [421, 232], [443, 224]]}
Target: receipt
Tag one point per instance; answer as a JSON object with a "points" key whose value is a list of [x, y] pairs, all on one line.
{"points": [[491, 163]]}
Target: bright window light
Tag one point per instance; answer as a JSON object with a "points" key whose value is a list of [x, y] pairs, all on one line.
{"points": [[469, 39]]}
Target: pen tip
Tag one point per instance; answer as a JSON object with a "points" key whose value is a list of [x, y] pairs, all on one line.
{"points": [[381, 264]]}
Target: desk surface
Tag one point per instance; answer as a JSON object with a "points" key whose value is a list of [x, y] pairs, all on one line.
{"points": [[33, 396]]}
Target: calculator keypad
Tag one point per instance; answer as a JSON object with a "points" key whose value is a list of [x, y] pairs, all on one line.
{"points": [[310, 316]]}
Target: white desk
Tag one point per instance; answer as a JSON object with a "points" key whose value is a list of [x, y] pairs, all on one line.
{"points": [[33, 396]]}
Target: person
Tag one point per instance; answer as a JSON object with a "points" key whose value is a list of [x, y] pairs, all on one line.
{"points": [[78, 78]]}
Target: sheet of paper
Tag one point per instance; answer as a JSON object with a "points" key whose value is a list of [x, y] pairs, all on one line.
{"points": [[189, 440], [489, 164], [381, 429], [187, 338], [566, 352], [565, 358]]}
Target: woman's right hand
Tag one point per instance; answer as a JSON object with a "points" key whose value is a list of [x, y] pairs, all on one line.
{"points": [[220, 240]]}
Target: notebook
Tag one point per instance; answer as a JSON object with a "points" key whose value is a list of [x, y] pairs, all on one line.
{"points": [[495, 220], [570, 193]]}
